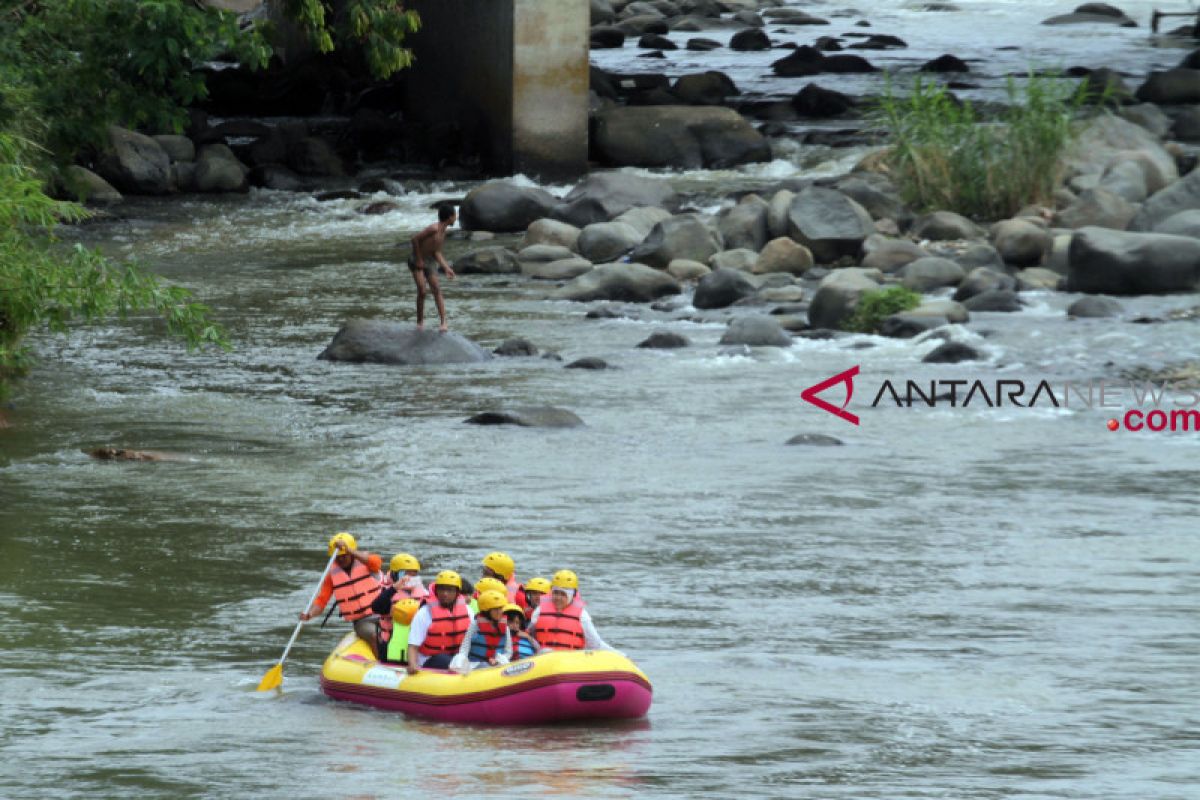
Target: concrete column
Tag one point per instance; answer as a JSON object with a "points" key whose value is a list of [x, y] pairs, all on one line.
{"points": [[514, 71]]}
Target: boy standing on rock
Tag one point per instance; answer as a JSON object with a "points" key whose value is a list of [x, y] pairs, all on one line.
{"points": [[424, 261]]}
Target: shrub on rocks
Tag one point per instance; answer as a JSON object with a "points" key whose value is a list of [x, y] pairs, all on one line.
{"points": [[876, 305], [838, 295]]}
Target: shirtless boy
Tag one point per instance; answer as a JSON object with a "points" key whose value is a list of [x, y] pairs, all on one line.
{"points": [[424, 261]]}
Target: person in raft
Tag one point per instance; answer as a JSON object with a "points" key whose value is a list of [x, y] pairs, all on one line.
{"points": [[437, 630], [535, 590], [501, 567], [487, 641], [352, 582], [561, 622], [523, 644], [424, 261], [402, 615], [401, 583]]}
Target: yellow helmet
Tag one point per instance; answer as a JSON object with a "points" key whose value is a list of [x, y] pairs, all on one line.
{"points": [[492, 599], [404, 561], [340, 539], [500, 564], [565, 579], [490, 585], [402, 612], [537, 585], [511, 608], [448, 577]]}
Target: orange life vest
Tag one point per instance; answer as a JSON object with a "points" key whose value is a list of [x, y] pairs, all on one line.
{"points": [[446, 632], [354, 590], [402, 593], [560, 630]]}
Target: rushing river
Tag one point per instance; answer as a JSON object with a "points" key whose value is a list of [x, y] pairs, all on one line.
{"points": [[958, 603]]}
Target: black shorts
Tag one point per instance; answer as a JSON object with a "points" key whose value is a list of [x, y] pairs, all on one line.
{"points": [[431, 267]]}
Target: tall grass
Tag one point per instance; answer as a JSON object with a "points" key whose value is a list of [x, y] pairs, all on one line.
{"points": [[946, 155]]}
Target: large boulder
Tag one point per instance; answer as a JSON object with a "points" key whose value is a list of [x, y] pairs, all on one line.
{"points": [[710, 88], [828, 223], [838, 296], [1097, 207], [377, 341], [529, 417], [629, 283], [683, 137], [1171, 87], [942, 226], [750, 39], [783, 255], [313, 155], [819, 102], [756, 330], [1183, 195], [602, 242], [1127, 180], [503, 206], [983, 279], [134, 163], [929, 273], [1106, 140], [1094, 306], [878, 195], [1020, 242], [684, 236], [218, 170], [601, 196], [488, 261], [1102, 261], [744, 225], [1185, 223], [549, 231], [889, 255], [722, 288], [88, 187]]}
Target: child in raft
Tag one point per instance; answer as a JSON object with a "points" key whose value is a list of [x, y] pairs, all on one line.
{"points": [[523, 645], [487, 640]]}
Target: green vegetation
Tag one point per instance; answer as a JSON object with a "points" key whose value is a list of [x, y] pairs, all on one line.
{"points": [[874, 307], [44, 283], [946, 156]]}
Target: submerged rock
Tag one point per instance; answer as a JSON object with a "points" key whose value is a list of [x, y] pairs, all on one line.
{"points": [[529, 417], [815, 439], [376, 341]]}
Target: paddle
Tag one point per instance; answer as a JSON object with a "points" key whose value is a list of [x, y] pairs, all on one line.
{"points": [[274, 677]]}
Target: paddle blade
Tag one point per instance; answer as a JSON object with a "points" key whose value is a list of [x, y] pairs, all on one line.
{"points": [[273, 679]]}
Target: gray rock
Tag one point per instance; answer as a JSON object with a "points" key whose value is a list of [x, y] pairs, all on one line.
{"points": [[602, 242], [837, 297], [942, 308], [684, 236], [889, 255], [664, 340], [1098, 207], [929, 273], [373, 341], [529, 417], [488, 261], [906, 326], [1094, 306], [88, 187], [502, 206], [1090, 19], [1039, 279], [1121, 262], [815, 439], [278, 177], [543, 253], [877, 195], [587, 362], [993, 300], [722, 288], [1148, 116], [942, 226], [602, 196], [828, 223], [952, 353], [982, 279], [561, 270], [1106, 140], [134, 163], [710, 88], [1183, 195], [756, 330], [783, 255], [741, 259], [1185, 223], [550, 231], [177, 148], [516, 347], [218, 170], [980, 254], [1020, 242], [643, 219], [601, 12], [629, 283], [1171, 87], [682, 269], [1127, 180], [777, 213], [744, 225], [683, 137], [313, 156]]}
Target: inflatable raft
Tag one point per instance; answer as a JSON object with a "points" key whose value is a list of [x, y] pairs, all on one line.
{"points": [[552, 687]]}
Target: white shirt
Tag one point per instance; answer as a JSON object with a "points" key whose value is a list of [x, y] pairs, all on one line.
{"points": [[591, 639], [417, 630]]}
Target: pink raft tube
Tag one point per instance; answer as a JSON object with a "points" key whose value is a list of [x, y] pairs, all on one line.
{"points": [[551, 687]]}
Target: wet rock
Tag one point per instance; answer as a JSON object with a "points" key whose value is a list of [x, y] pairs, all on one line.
{"points": [[777, 213], [722, 288], [664, 340], [1020, 242], [703, 45], [604, 312], [1127, 180], [993, 300], [313, 156], [783, 255], [629, 283], [683, 269], [838, 296], [134, 163], [1185, 223], [543, 253], [684, 137], [601, 12], [502, 206], [382, 342], [878, 195], [603, 37], [815, 439], [1148, 116], [983, 279], [550, 231], [563, 269], [684, 236], [744, 225], [757, 330], [656, 41], [828, 223], [378, 207], [828, 44], [588, 362], [515, 348], [750, 39], [643, 219], [1088, 18], [218, 170], [88, 187], [807, 60], [880, 41], [278, 177], [889, 255], [602, 196], [945, 63], [815, 101], [929, 273], [1183, 195], [1039, 279], [741, 259], [710, 88], [177, 148], [1097, 207], [906, 326], [488, 261], [945, 226], [529, 417], [123, 454], [1171, 87], [792, 16], [1103, 261], [953, 353], [1094, 306], [943, 308]]}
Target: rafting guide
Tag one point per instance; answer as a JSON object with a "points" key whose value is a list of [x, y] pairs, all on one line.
{"points": [[444, 654]]}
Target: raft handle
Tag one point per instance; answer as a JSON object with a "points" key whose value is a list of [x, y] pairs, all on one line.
{"points": [[597, 691]]}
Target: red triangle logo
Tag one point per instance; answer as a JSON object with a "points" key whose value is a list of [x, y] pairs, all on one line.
{"points": [[847, 377]]}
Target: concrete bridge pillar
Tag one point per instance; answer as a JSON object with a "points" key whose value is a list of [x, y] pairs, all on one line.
{"points": [[514, 71]]}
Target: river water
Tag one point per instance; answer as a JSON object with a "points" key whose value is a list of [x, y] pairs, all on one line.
{"points": [[958, 603]]}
